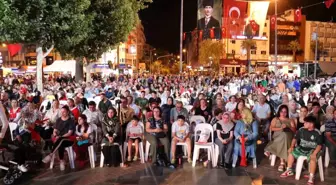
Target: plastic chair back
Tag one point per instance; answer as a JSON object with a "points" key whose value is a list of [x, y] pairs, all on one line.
{"points": [[204, 126], [12, 127]]}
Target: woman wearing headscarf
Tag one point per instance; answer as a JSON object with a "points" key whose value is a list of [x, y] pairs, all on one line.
{"points": [[249, 128], [224, 139], [284, 129], [111, 131]]}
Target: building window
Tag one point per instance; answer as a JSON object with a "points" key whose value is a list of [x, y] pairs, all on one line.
{"points": [[233, 51], [264, 34], [265, 24], [263, 52], [253, 52], [233, 41]]}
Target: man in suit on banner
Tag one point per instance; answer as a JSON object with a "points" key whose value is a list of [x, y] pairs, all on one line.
{"points": [[208, 21]]}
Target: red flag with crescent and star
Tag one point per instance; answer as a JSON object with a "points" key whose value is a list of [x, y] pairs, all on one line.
{"points": [[328, 3], [234, 15], [273, 21], [297, 15]]}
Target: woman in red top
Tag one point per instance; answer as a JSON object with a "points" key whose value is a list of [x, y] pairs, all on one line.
{"points": [[236, 113], [14, 111]]}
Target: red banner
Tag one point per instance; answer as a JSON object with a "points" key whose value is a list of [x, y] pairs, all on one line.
{"points": [[200, 35], [297, 15], [223, 32], [212, 33], [234, 15], [13, 49], [273, 21], [328, 3], [184, 35]]}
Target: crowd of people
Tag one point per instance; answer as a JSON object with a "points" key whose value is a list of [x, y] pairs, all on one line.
{"points": [[294, 116]]}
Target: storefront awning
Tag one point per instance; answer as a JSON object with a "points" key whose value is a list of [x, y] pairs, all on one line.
{"points": [[328, 67]]}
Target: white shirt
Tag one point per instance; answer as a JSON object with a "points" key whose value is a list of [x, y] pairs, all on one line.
{"points": [[261, 111], [230, 106], [180, 131], [134, 131]]}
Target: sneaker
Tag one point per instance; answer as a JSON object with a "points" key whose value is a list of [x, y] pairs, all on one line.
{"points": [[287, 173], [189, 160], [135, 158], [47, 159], [173, 161], [129, 159], [22, 168], [310, 181], [267, 154], [62, 166]]}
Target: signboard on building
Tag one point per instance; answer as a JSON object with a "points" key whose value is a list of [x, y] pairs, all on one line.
{"points": [[224, 62]]}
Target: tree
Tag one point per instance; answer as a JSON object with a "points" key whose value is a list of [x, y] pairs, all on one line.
{"points": [[294, 47], [112, 22], [44, 23], [248, 44], [156, 67], [211, 51]]}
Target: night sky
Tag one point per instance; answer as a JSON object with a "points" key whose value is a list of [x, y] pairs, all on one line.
{"points": [[161, 19]]}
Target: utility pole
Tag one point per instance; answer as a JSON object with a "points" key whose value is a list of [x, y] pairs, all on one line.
{"points": [[276, 38], [315, 62], [181, 36]]}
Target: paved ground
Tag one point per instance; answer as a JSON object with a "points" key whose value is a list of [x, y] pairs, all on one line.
{"points": [[145, 174]]}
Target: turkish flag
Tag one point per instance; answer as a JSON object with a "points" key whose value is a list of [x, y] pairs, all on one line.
{"points": [[297, 15], [13, 49], [328, 3], [273, 21], [212, 33], [234, 15]]}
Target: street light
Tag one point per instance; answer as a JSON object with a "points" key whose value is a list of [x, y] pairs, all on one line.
{"points": [[184, 50]]}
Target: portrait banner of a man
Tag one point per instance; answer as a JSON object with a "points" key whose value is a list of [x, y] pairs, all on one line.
{"points": [[210, 18]]}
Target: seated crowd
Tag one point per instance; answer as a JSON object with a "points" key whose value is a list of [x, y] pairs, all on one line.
{"points": [[289, 124]]}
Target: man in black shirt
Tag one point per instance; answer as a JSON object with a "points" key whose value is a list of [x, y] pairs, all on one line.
{"points": [[310, 146]]}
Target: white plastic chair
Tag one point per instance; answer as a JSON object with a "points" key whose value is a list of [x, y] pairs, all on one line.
{"points": [[44, 105], [326, 158], [216, 149], [70, 155], [197, 119], [12, 127], [147, 151], [188, 107], [209, 145], [102, 155], [184, 145], [141, 148], [92, 154], [299, 164]]}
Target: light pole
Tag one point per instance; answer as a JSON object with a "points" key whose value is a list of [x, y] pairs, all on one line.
{"points": [[276, 37], [181, 36], [315, 36]]}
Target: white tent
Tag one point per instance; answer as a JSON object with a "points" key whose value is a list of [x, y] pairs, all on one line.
{"points": [[64, 66]]}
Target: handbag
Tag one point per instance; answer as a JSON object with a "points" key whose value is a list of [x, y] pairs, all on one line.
{"points": [[82, 142]]}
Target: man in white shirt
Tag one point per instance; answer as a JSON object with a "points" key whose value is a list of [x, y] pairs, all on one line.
{"points": [[262, 113], [231, 105]]}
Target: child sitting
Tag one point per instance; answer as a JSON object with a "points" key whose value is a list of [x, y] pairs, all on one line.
{"points": [[134, 134], [180, 134], [310, 146]]}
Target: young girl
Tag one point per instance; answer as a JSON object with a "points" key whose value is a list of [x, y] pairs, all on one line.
{"points": [[134, 134], [84, 138]]}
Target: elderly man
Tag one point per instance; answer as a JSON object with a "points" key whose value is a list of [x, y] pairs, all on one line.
{"points": [[178, 110], [262, 113]]}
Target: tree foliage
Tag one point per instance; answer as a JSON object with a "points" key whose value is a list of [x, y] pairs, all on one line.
{"points": [[210, 50], [112, 22], [44, 22], [294, 47]]}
